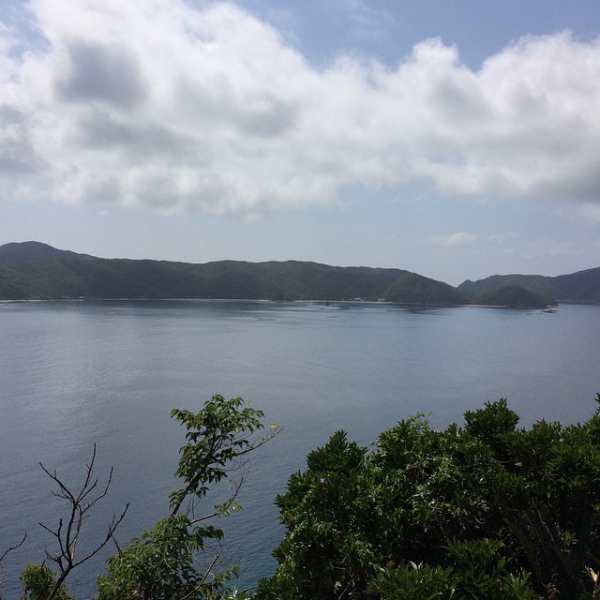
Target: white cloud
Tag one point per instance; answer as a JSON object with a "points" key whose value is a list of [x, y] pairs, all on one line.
{"points": [[463, 238], [500, 238], [161, 105], [459, 238], [366, 19]]}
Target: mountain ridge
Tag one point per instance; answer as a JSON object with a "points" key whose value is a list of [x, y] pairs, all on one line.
{"points": [[34, 270], [581, 286]]}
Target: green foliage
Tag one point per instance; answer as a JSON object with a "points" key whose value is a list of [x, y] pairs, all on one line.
{"points": [[484, 511], [216, 439], [481, 511], [493, 425], [174, 559], [414, 582], [163, 564], [325, 511], [483, 570], [38, 583], [178, 558]]}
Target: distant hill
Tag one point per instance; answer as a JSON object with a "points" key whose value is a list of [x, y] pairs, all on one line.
{"points": [[583, 286], [33, 251], [32, 270], [514, 296]]}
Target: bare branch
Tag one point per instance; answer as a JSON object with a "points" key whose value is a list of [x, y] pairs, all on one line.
{"points": [[12, 548], [67, 534], [5, 554]]}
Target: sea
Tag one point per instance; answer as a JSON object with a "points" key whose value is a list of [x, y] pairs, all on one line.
{"points": [[78, 374]]}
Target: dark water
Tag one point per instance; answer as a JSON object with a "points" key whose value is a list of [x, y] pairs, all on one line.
{"points": [[77, 373]]}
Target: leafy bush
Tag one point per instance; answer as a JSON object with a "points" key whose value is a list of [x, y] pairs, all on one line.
{"points": [[483, 511], [174, 559], [486, 510], [39, 581]]}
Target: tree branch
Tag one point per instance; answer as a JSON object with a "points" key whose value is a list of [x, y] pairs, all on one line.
{"points": [[67, 536], [5, 554]]}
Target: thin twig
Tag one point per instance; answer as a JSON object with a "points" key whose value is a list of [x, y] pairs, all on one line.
{"points": [[67, 536]]}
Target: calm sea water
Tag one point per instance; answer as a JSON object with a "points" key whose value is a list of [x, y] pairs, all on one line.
{"points": [[75, 374]]}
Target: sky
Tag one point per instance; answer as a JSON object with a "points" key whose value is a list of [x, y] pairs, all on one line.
{"points": [[452, 138]]}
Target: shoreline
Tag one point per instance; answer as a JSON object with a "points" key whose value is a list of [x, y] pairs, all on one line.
{"points": [[299, 301]]}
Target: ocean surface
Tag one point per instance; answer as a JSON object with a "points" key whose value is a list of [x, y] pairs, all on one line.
{"points": [[78, 373]]}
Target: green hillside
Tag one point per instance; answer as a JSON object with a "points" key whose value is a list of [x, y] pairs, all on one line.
{"points": [[32, 270], [583, 286], [514, 296]]}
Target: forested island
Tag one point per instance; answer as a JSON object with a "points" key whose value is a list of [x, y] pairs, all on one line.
{"points": [[34, 271], [483, 510]]}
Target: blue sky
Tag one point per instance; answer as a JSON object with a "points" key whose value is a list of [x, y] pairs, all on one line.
{"points": [[455, 139]]}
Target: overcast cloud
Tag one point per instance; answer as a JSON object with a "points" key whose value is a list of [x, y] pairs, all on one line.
{"points": [[157, 104]]}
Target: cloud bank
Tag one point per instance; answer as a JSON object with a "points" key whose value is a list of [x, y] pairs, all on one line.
{"points": [[157, 104]]}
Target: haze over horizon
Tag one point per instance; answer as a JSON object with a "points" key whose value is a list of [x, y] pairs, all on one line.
{"points": [[454, 140]]}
